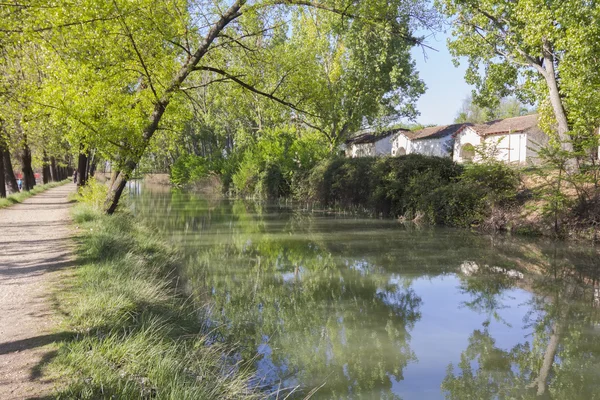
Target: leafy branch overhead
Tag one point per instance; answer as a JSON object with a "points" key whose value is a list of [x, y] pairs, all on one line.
{"points": [[115, 73]]}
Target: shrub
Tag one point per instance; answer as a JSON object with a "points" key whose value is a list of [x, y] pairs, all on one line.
{"points": [[388, 186], [442, 191], [497, 181], [189, 168], [278, 160], [93, 193]]}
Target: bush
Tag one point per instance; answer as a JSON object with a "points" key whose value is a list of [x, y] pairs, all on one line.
{"points": [[93, 193], [442, 191], [276, 162], [497, 181], [189, 168], [456, 204], [387, 186]]}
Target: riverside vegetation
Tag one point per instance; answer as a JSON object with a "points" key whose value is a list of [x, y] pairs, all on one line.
{"points": [[134, 334], [490, 196]]}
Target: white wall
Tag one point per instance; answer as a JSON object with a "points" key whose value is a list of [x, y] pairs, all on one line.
{"points": [[439, 147], [401, 141], [383, 147], [466, 136], [508, 147], [362, 150]]}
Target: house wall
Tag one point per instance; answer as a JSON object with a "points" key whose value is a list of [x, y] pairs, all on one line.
{"points": [[536, 139], [466, 136], [518, 147], [401, 142], [383, 147], [439, 147], [510, 148], [361, 150]]}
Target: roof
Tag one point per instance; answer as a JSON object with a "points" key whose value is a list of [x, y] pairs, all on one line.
{"points": [[515, 124], [372, 137], [436, 132]]}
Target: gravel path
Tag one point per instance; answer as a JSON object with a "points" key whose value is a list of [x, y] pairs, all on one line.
{"points": [[35, 245]]}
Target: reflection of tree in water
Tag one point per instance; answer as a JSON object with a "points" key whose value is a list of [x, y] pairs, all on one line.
{"points": [[562, 360], [333, 301], [327, 322]]}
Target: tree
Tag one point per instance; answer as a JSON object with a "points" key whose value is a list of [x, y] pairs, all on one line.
{"points": [[508, 107], [115, 69], [540, 51]]}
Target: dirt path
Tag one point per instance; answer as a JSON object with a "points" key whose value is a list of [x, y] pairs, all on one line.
{"points": [[35, 245]]}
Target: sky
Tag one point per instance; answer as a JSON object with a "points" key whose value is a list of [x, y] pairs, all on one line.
{"points": [[446, 87]]}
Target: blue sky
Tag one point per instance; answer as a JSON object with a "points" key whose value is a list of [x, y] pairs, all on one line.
{"points": [[446, 87]]}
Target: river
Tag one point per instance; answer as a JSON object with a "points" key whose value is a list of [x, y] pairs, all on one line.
{"points": [[367, 308]]}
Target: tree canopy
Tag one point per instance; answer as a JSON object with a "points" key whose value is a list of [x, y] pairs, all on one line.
{"points": [[111, 76]]}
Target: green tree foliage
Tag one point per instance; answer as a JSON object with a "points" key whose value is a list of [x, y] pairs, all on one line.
{"points": [[117, 74], [507, 108], [277, 161], [539, 51]]}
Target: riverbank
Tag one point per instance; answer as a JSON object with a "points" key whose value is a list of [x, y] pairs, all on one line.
{"points": [[35, 251], [20, 197], [136, 335]]}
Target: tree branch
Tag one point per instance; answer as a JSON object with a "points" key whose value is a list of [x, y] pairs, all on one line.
{"points": [[137, 51], [253, 89]]}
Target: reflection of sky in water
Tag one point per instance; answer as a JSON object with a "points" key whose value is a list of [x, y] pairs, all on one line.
{"points": [[443, 331], [364, 281]]}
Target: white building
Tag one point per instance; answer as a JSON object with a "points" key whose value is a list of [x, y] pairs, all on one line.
{"points": [[432, 141], [513, 140], [402, 143], [370, 144]]}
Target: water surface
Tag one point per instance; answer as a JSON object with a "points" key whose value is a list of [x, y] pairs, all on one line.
{"points": [[370, 309]]}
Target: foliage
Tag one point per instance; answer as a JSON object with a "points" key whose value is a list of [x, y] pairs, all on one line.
{"points": [[506, 108], [276, 161], [136, 336], [541, 52], [389, 186], [93, 193], [496, 180], [123, 79], [189, 168], [438, 189]]}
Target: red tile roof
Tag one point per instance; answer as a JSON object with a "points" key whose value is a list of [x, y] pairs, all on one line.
{"points": [[515, 124], [435, 132], [371, 137]]}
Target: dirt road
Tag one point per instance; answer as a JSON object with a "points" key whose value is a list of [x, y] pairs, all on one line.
{"points": [[35, 245]]}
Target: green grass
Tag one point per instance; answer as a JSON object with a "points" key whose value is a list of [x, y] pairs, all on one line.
{"points": [[22, 196], [131, 332]]}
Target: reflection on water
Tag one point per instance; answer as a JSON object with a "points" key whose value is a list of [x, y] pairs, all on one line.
{"points": [[370, 309]]}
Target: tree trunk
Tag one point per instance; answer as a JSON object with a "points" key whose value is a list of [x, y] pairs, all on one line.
{"points": [[28, 175], [2, 179], [555, 99], [82, 169], [46, 169], [93, 166], [116, 188], [53, 172], [549, 355], [9, 173]]}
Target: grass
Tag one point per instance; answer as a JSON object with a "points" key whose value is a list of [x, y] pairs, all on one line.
{"points": [[22, 196], [133, 335]]}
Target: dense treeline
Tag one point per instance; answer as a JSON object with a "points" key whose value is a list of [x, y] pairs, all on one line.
{"points": [[141, 85]]}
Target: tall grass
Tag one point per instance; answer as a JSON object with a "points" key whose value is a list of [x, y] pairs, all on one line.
{"points": [[22, 196], [134, 336]]}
